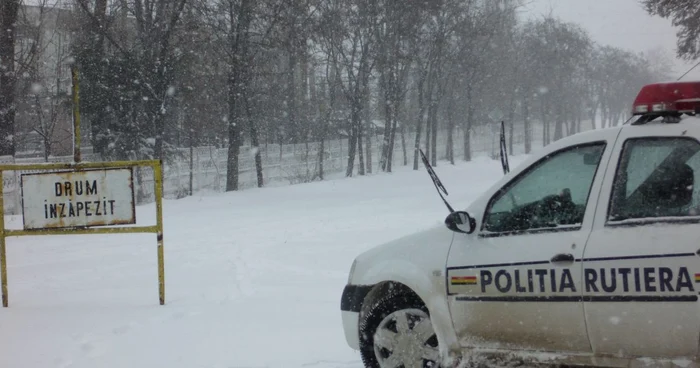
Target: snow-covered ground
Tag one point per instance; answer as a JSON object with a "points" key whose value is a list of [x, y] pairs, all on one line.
{"points": [[253, 278]]}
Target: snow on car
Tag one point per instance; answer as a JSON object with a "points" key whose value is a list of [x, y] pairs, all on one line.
{"points": [[586, 253]]}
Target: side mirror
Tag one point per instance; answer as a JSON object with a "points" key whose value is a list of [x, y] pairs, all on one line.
{"points": [[460, 222]]}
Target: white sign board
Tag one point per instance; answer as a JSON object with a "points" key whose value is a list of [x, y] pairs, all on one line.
{"points": [[78, 199]]}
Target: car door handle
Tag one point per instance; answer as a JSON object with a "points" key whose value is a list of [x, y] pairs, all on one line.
{"points": [[562, 257]]}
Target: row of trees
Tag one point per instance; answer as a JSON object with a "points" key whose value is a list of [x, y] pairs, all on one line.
{"points": [[161, 74]]}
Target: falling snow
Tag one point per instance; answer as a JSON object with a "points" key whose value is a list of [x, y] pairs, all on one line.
{"points": [[95, 297]]}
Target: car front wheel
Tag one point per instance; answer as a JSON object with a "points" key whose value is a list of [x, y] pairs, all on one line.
{"points": [[396, 332]]}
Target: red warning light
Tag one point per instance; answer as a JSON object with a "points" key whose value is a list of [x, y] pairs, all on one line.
{"points": [[668, 99]]}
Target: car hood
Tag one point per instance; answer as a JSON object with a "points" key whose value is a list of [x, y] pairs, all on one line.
{"points": [[421, 248]]}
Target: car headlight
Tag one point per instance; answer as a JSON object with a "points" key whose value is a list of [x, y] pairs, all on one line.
{"points": [[352, 270]]}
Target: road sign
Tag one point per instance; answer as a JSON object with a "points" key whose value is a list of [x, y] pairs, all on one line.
{"points": [[109, 183], [101, 197]]}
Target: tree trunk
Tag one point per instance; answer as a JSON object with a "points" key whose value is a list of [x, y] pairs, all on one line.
{"points": [[361, 157], [324, 134], [156, 111], [305, 91], [527, 127], [468, 127], [255, 144], [419, 119], [392, 137], [450, 136], [383, 85], [47, 148], [388, 152], [237, 88], [292, 128], [511, 129], [558, 128], [432, 113], [467, 136], [403, 145], [428, 132], [355, 121], [352, 146], [395, 114], [615, 119], [234, 134], [603, 117], [322, 147], [579, 118], [545, 124], [163, 78], [191, 144], [8, 19], [94, 59], [419, 129], [321, 154], [369, 133]]}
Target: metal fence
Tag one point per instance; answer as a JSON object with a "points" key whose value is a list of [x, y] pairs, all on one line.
{"points": [[205, 170]]}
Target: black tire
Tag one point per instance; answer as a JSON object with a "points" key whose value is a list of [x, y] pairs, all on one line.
{"points": [[376, 313]]}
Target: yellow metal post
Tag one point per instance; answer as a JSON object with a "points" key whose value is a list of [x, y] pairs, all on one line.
{"points": [[3, 254], [157, 175], [76, 114]]}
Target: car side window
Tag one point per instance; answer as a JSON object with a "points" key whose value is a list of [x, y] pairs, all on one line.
{"points": [[552, 193], [655, 179]]}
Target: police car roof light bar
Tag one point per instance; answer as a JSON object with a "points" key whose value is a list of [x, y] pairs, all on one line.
{"points": [[668, 100]]}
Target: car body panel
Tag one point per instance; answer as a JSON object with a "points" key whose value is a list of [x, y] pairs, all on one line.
{"points": [[645, 250], [417, 261], [518, 299]]}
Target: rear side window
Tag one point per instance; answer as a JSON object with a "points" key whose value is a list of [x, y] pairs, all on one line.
{"points": [[656, 179]]}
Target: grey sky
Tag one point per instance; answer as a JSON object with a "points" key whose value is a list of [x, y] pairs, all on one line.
{"points": [[619, 23]]}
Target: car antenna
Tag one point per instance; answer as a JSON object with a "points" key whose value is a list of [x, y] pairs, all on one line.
{"points": [[438, 184], [689, 70]]}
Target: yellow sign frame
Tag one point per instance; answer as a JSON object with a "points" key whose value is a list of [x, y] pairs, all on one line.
{"points": [[157, 229]]}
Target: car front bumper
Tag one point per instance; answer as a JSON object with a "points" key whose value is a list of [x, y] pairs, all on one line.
{"points": [[350, 327], [350, 306]]}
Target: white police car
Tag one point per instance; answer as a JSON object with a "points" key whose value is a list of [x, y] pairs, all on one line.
{"points": [[587, 254]]}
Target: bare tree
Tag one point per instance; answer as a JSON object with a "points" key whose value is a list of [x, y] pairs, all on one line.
{"points": [[430, 58], [238, 19], [243, 29], [349, 39], [397, 34], [150, 59]]}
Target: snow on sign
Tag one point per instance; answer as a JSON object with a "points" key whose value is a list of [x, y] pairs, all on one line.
{"points": [[78, 199]]}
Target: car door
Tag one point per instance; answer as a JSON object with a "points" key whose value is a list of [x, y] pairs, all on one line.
{"points": [[641, 266], [515, 283]]}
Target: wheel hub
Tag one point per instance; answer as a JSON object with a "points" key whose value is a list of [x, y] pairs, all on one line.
{"points": [[406, 339]]}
